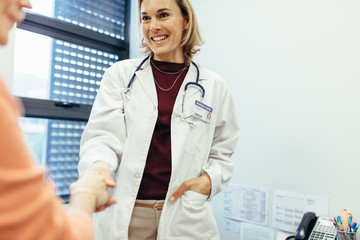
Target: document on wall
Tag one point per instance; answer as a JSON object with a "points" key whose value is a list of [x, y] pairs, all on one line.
{"points": [[232, 226], [288, 209], [250, 231], [246, 204]]}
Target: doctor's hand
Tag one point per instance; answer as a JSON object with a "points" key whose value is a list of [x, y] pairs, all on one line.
{"points": [[102, 169], [90, 192], [200, 185]]}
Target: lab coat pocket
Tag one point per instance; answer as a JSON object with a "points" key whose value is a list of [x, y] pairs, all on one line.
{"points": [[198, 138], [194, 198], [193, 219]]}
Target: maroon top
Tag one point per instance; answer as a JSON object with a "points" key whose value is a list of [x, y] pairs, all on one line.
{"points": [[157, 172]]}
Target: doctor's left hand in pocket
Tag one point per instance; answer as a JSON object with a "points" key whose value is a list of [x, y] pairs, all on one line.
{"points": [[200, 185]]}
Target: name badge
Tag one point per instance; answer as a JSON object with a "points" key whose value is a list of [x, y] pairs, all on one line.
{"points": [[202, 111]]}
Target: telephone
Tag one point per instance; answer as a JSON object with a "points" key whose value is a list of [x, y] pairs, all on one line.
{"points": [[315, 228]]}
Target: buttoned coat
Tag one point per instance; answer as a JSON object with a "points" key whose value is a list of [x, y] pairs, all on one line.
{"points": [[119, 132]]}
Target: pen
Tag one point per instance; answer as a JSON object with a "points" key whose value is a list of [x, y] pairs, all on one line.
{"points": [[339, 222], [337, 225], [350, 221], [353, 226]]}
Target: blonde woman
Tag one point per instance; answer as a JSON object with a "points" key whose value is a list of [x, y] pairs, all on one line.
{"points": [[166, 128]]}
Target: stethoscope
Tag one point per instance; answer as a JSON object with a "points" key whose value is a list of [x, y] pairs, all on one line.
{"points": [[126, 93]]}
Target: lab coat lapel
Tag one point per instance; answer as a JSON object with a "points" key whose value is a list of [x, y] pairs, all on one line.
{"points": [[180, 127], [146, 79]]}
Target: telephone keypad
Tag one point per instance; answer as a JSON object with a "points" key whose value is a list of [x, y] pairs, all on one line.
{"points": [[323, 230]]}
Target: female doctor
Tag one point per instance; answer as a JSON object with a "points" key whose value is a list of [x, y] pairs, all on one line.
{"points": [[166, 129]]}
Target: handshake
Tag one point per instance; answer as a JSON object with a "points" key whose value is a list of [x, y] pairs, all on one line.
{"points": [[90, 192]]}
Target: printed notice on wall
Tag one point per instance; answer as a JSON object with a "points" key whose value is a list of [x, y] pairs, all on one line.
{"points": [[232, 226], [289, 208], [246, 204], [256, 232]]}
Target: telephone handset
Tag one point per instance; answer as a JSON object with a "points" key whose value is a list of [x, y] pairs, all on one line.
{"points": [[315, 228]]}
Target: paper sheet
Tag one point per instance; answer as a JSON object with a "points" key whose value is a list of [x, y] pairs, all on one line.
{"points": [[282, 235], [288, 209], [255, 232], [232, 226], [246, 204]]}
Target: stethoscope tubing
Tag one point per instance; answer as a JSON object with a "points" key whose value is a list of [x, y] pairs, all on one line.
{"points": [[186, 86], [137, 69], [196, 83], [126, 91]]}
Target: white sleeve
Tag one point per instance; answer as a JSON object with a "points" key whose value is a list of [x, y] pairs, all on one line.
{"points": [[105, 133], [220, 166]]}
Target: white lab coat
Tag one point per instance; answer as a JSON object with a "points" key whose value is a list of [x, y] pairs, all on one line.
{"points": [[119, 133]]}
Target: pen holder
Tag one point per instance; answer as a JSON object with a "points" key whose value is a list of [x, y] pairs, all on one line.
{"points": [[345, 235]]}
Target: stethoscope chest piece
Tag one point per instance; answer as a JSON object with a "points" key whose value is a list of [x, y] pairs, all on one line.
{"points": [[125, 94]]}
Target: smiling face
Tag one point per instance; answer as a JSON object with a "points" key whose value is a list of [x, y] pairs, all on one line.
{"points": [[163, 26], [10, 12]]}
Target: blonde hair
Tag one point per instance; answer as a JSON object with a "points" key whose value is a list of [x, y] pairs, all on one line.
{"points": [[191, 38]]}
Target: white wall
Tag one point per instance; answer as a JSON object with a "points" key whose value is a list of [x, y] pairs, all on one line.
{"points": [[7, 59], [294, 71]]}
